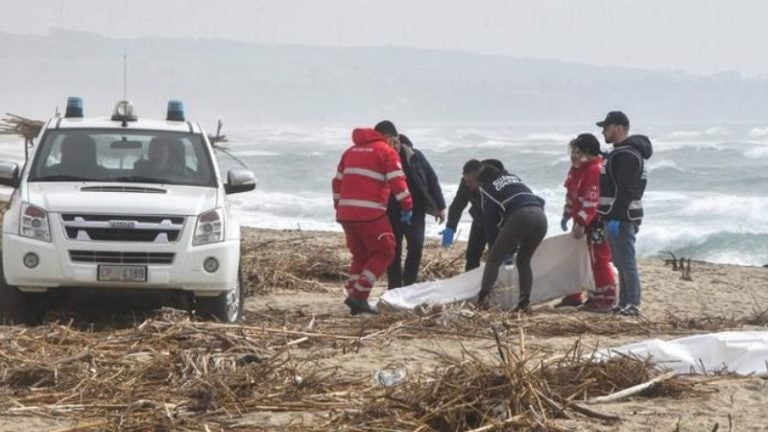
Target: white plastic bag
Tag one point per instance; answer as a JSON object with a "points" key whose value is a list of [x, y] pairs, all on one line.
{"points": [[560, 267], [741, 352]]}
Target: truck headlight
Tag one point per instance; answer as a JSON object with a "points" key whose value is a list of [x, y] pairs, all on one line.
{"points": [[209, 228], [34, 223]]}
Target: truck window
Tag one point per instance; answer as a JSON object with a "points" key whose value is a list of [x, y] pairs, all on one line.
{"points": [[103, 155]]}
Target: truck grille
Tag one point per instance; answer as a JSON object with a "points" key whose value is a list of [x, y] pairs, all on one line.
{"points": [[130, 189], [125, 228], [102, 257]]}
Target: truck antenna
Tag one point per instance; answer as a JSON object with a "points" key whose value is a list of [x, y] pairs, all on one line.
{"points": [[125, 77]]}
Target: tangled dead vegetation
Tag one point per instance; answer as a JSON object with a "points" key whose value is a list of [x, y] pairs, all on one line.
{"points": [[161, 375], [519, 392], [308, 260], [14, 124], [170, 373]]}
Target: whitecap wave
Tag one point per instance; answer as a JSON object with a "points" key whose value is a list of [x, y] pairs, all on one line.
{"points": [[758, 132], [549, 136], [712, 245], [254, 153], [654, 165], [665, 146], [717, 131], [684, 135], [727, 212], [757, 152]]}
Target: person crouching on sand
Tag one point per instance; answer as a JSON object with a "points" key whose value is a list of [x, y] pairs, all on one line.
{"points": [[582, 198], [368, 172], [514, 222]]}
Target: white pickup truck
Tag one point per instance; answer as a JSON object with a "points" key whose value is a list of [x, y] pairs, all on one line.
{"points": [[121, 202]]}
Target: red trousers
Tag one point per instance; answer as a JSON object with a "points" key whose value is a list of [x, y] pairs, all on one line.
{"points": [[372, 245], [600, 257]]}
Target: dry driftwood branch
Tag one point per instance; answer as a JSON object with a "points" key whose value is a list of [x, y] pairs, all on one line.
{"points": [[686, 270], [613, 397], [17, 125], [672, 260]]}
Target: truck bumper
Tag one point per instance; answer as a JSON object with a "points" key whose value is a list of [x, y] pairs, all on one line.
{"points": [[56, 267]]}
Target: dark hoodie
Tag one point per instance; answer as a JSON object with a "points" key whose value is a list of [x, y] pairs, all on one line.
{"points": [[623, 180], [422, 182]]}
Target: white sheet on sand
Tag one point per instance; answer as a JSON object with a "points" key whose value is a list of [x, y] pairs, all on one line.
{"points": [[560, 267], [741, 352]]}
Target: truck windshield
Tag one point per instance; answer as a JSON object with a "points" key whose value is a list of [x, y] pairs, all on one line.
{"points": [[104, 155]]}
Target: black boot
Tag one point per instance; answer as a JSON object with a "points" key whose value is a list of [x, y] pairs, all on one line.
{"points": [[523, 305], [357, 306]]}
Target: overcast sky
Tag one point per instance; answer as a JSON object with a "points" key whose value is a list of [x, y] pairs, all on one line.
{"points": [[697, 36]]}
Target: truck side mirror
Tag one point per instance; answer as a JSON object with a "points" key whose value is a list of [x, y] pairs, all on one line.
{"points": [[9, 174], [240, 180]]}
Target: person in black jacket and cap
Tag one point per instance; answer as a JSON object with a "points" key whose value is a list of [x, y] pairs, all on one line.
{"points": [[622, 184], [469, 195], [427, 199]]}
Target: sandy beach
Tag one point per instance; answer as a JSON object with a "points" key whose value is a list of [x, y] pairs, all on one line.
{"points": [[293, 286]]}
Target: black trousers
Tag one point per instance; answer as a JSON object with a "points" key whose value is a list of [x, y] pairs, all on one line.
{"points": [[413, 233], [521, 233], [475, 246]]}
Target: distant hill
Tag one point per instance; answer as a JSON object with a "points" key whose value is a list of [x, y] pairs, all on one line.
{"points": [[245, 82]]}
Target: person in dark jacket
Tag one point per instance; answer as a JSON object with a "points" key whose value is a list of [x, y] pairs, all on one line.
{"points": [[464, 196], [514, 222], [622, 184], [427, 200]]}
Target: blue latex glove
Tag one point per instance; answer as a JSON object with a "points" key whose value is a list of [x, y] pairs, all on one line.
{"points": [[448, 234], [613, 228], [564, 222], [405, 217]]}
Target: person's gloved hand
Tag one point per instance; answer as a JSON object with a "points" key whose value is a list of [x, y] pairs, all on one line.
{"points": [[612, 227], [447, 234], [564, 222], [405, 216]]}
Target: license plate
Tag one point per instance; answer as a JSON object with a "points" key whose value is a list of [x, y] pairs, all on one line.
{"points": [[123, 273]]}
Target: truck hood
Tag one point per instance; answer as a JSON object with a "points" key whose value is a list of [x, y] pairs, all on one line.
{"points": [[121, 198]]}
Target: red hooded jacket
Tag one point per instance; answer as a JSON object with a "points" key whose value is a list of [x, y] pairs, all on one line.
{"points": [[583, 192], [368, 173]]}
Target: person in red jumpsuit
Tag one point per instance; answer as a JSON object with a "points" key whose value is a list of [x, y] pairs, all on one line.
{"points": [[582, 198], [367, 174]]}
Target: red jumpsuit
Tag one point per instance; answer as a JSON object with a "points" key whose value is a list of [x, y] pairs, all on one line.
{"points": [[367, 174], [582, 197]]}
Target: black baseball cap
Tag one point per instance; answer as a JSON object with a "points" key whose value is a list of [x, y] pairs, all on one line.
{"points": [[616, 118]]}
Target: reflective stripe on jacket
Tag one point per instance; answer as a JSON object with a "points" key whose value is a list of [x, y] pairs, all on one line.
{"points": [[368, 172], [623, 180], [583, 192]]}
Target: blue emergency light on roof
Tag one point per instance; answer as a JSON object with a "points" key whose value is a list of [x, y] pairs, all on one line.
{"points": [[74, 107], [175, 111]]}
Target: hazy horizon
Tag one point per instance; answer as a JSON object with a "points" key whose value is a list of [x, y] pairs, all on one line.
{"points": [[246, 82], [693, 36]]}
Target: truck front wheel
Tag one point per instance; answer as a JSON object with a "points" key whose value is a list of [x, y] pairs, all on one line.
{"points": [[15, 306], [227, 307]]}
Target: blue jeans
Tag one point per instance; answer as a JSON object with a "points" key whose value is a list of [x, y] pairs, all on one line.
{"points": [[623, 251]]}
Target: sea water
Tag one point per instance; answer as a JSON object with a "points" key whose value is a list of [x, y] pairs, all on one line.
{"points": [[707, 194]]}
